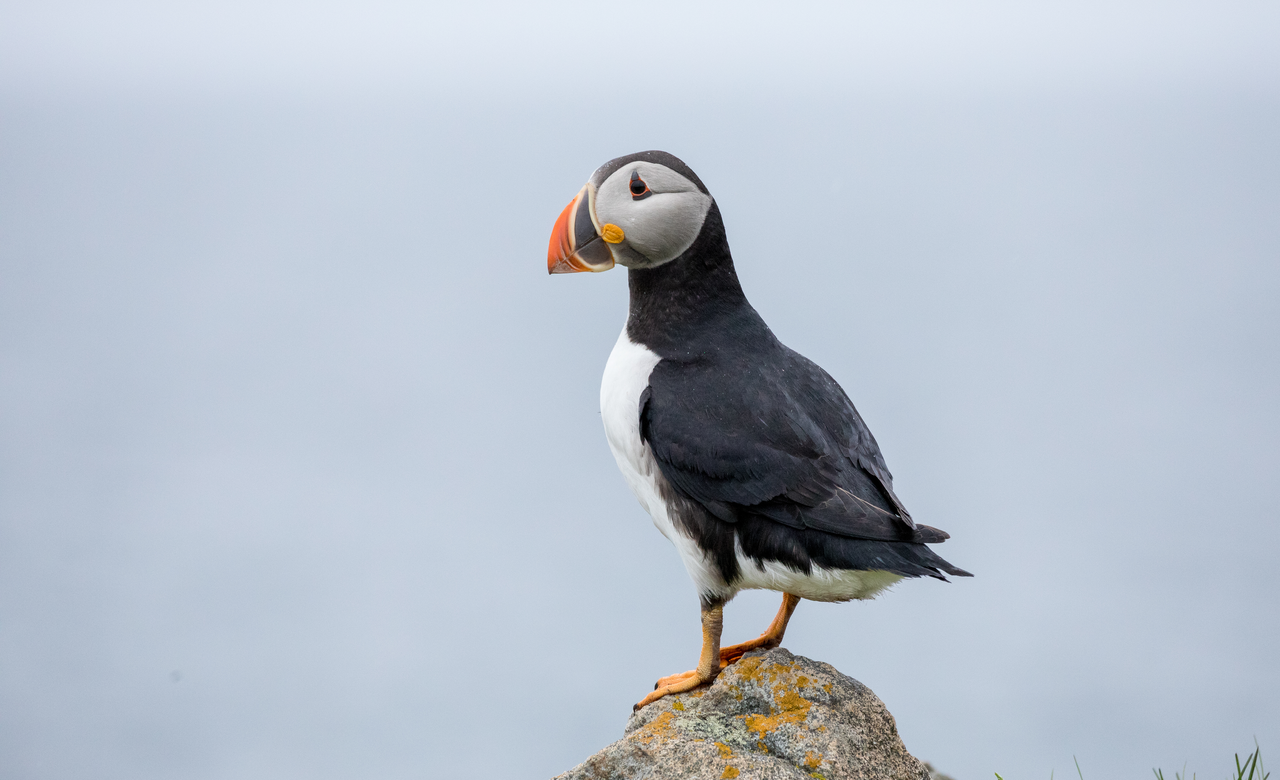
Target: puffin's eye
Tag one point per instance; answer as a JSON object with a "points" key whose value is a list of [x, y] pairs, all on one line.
{"points": [[639, 190]]}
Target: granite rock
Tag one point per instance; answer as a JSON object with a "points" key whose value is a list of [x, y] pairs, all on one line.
{"points": [[771, 715]]}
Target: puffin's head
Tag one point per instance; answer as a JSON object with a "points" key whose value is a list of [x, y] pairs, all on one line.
{"points": [[640, 211]]}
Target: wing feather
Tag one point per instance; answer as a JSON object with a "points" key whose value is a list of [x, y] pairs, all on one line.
{"points": [[775, 437]]}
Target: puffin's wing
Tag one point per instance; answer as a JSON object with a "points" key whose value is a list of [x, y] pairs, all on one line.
{"points": [[773, 436]]}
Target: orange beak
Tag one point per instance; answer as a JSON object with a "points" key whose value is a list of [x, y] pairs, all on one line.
{"points": [[576, 244]]}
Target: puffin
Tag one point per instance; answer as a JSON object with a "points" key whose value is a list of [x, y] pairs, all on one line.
{"points": [[750, 459]]}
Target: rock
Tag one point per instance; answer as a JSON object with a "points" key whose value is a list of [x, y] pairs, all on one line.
{"points": [[770, 715]]}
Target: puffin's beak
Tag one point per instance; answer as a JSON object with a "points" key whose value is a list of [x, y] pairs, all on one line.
{"points": [[576, 244]]}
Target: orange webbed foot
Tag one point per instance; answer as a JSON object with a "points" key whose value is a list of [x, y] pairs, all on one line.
{"points": [[676, 683], [674, 678]]}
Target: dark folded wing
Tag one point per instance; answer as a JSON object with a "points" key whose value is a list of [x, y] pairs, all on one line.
{"points": [[774, 437]]}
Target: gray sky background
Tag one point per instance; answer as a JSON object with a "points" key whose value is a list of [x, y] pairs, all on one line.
{"points": [[301, 468]]}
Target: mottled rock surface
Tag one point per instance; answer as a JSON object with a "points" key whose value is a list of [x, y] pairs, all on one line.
{"points": [[771, 715]]}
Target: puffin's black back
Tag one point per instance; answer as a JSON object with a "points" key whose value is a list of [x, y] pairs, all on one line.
{"points": [[757, 440]]}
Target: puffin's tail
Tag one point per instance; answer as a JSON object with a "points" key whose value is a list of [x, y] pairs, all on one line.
{"points": [[909, 559]]}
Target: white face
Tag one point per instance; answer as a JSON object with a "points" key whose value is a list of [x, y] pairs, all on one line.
{"points": [[659, 211]]}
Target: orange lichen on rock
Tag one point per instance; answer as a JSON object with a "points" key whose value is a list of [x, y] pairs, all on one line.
{"points": [[788, 706], [726, 752], [749, 668], [812, 760], [661, 729], [789, 700], [729, 773]]}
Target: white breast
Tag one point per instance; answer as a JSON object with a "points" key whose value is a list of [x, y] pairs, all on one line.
{"points": [[626, 376]]}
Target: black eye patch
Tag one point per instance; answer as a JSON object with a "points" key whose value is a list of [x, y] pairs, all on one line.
{"points": [[639, 190]]}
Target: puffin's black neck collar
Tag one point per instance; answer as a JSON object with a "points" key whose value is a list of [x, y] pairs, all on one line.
{"points": [[673, 304]]}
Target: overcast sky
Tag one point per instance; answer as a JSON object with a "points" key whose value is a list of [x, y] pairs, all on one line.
{"points": [[615, 47], [301, 467]]}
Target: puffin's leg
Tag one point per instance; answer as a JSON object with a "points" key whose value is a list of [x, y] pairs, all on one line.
{"points": [[708, 662], [772, 636]]}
